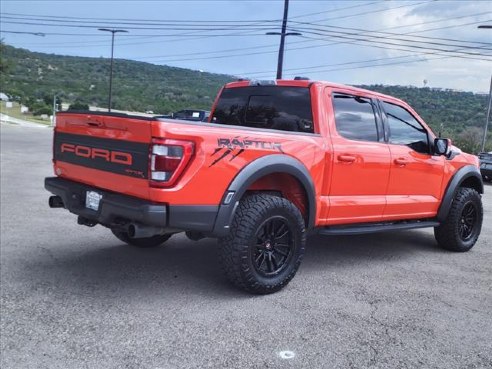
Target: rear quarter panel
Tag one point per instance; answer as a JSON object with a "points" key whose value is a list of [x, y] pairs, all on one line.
{"points": [[222, 152]]}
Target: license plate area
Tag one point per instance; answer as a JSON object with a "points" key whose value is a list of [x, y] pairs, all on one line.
{"points": [[92, 200]]}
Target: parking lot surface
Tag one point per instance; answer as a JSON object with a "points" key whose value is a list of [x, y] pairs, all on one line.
{"points": [[76, 297]]}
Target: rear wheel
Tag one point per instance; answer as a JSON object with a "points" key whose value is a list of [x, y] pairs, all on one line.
{"points": [[265, 246], [146, 242], [461, 228]]}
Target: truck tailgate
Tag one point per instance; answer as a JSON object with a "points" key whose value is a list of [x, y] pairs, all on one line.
{"points": [[109, 151]]}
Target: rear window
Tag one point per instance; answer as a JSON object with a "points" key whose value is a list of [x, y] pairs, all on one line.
{"points": [[269, 107]]}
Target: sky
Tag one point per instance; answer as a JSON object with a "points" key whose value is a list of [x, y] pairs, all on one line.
{"points": [[430, 43]]}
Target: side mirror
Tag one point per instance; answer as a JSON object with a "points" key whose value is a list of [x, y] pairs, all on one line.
{"points": [[441, 146]]}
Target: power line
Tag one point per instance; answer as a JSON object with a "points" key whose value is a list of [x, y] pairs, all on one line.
{"points": [[322, 32], [315, 70], [181, 20], [193, 38], [259, 22], [173, 28], [233, 25], [399, 34], [462, 54], [300, 48], [456, 52], [406, 50]]}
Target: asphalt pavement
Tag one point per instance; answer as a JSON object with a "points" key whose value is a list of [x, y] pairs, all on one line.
{"points": [[76, 297]]}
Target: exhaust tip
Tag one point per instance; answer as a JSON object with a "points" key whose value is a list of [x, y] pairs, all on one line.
{"points": [[55, 202]]}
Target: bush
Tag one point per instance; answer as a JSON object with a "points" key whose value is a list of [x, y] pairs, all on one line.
{"points": [[78, 106], [40, 109]]}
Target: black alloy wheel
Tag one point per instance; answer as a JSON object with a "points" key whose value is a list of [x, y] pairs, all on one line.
{"points": [[274, 246], [265, 245], [463, 224], [468, 221]]}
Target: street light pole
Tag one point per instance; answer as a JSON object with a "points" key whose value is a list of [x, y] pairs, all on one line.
{"points": [[282, 39], [53, 122], [487, 118], [113, 31]]}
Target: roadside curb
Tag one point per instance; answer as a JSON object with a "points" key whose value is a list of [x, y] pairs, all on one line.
{"points": [[6, 119]]}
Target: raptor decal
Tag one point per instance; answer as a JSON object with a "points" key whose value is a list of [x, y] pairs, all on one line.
{"points": [[235, 146]]}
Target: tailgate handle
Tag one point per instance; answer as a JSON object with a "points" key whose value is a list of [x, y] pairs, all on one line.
{"points": [[94, 121]]}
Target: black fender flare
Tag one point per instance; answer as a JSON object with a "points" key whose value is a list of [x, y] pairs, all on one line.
{"points": [[261, 167], [464, 173]]}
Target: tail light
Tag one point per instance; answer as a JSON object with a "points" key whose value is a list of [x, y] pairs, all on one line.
{"points": [[168, 159]]}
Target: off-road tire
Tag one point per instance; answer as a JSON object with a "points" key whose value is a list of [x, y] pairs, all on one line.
{"points": [[146, 242], [461, 228], [262, 219]]}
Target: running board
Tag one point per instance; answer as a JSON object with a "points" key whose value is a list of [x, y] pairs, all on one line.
{"points": [[374, 228]]}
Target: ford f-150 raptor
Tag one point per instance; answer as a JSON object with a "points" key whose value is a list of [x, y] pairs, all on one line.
{"points": [[277, 160]]}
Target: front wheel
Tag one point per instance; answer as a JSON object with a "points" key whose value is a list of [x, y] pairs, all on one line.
{"points": [[461, 228], [265, 246], [145, 242]]}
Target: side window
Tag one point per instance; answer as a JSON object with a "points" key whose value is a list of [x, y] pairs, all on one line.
{"points": [[404, 129], [354, 117]]}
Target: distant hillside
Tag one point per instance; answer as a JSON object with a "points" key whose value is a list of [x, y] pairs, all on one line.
{"points": [[137, 86], [455, 110], [141, 86]]}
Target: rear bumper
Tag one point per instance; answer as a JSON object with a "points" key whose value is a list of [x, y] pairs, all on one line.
{"points": [[115, 208]]}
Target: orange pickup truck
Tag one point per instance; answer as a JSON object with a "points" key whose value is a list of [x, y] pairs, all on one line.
{"points": [[277, 160]]}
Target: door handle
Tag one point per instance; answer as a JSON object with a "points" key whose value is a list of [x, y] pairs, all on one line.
{"points": [[401, 162], [346, 158]]}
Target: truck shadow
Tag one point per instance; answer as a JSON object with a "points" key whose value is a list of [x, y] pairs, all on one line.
{"points": [[345, 251], [186, 267]]}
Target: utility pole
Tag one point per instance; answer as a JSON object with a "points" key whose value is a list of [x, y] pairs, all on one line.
{"points": [[487, 118], [53, 122], [282, 39], [113, 31]]}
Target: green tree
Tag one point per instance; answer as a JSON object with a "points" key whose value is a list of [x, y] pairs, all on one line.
{"points": [[39, 108], [4, 62], [470, 140], [78, 106]]}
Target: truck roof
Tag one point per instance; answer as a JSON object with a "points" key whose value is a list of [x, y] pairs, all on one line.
{"points": [[308, 83]]}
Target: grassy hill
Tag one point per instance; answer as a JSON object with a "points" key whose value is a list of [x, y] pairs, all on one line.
{"points": [[137, 86]]}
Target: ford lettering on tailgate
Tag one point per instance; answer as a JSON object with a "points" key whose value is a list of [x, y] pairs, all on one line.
{"points": [[120, 157]]}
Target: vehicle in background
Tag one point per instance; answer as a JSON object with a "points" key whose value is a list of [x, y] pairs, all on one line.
{"points": [[486, 165], [194, 115]]}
